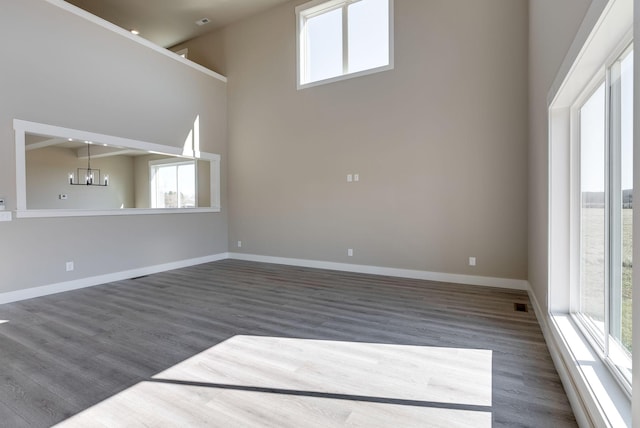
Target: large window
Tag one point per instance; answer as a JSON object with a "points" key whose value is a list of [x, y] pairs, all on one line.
{"points": [[590, 216], [173, 184], [343, 38], [606, 209]]}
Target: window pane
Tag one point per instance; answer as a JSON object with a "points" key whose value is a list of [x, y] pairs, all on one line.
{"points": [[187, 186], [621, 135], [627, 188], [368, 35], [324, 46], [592, 227], [166, 186]]}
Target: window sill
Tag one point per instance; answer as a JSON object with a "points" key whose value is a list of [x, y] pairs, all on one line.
{"points": [[602, 398], [125, 211], [345, 77]]}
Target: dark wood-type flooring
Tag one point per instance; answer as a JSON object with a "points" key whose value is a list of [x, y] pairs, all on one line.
{"points": [[236, 343]]}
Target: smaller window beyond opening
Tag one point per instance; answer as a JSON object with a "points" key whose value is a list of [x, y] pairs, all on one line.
{"points": [[173, 185]]}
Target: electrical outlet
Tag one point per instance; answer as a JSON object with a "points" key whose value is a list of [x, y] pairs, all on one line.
{"points": [[356, 177], [69, 266], [349, 178], [1, 203], [239, 244], [350, 252], [62, 196], [472, 261]]}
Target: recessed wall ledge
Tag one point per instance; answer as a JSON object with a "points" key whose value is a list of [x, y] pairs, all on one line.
{"points": [[127, 34], [125, 211]]}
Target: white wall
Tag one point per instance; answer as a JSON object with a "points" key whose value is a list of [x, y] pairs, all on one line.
{"points": [[63, 70]]}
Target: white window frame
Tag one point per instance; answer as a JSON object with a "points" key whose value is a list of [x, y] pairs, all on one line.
{"points": [[318, 7], [601, 345], [153, 166], [595, 392]]}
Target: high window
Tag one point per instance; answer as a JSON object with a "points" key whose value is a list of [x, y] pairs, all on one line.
{"points": [[173, 184], [340, 39], [605, 146]]}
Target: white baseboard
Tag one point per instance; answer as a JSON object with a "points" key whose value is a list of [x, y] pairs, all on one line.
{"points": [[30, 293], [515, 284]]}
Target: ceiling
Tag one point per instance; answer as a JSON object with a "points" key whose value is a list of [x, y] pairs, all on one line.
{"points": [[169, 22], [100, 150]]}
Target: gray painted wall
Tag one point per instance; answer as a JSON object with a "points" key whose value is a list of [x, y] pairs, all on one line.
{"points": [[47, 171], [552, 27], [440, 142], [63, 70]]}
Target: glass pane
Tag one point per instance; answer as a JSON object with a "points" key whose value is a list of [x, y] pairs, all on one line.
{"points": [[166, 186], [622, 213], [627, 188], [324, 46], [368, 35], [592, 226], [187, 186]]}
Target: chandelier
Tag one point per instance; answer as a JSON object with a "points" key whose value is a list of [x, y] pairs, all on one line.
{"points": [[91, 177]]}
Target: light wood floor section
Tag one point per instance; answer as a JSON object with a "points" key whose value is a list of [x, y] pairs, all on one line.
{"points": [[241, 344]]}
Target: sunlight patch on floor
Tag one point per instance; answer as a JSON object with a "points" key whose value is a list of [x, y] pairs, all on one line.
{"points": [[287, 382]]}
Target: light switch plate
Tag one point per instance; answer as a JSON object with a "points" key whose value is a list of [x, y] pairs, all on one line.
{"points": [[5, 216]]}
